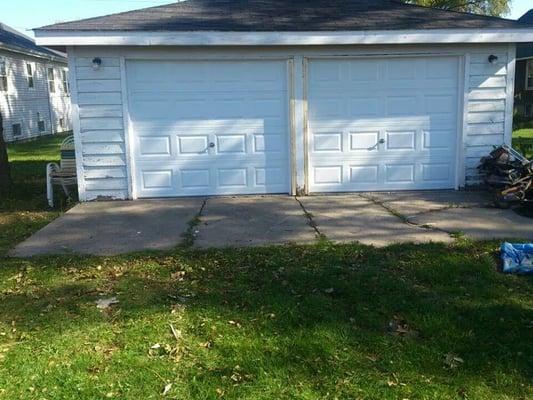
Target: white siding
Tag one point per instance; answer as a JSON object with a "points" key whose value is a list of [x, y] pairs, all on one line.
{"points": [[99, 101], [486, 120], [486, 110], [20, 104]]}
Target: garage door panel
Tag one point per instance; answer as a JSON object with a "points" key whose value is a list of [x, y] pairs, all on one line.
{"points": [[364, 141], [223, 130], [394, 174], [400, 140], [154, 145], [196, 180], [382, 124], [434, 172], [193, 144], [207, 75], [361, 174], [439, 139]]}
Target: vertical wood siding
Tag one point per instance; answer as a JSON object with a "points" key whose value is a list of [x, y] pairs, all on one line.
{"points": [[20, 104]]}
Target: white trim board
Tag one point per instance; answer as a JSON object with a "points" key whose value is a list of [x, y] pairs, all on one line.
{"points": [[214, 38]]}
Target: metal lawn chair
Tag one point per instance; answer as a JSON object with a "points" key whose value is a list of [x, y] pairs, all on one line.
{"points": [[63, 174]]}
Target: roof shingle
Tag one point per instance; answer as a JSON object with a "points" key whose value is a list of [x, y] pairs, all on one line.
{"points": [[285, 16], [13, 39]]}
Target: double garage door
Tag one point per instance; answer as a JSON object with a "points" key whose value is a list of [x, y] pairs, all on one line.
{"points": [[223, 127]]}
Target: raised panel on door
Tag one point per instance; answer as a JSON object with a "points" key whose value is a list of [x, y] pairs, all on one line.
{"points": [[382, 123], [209, 127]]}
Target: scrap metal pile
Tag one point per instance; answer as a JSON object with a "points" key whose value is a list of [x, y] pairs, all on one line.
{"points": [[510, 175]]}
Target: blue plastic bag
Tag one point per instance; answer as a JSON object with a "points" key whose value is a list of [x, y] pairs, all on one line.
{"points": [[517, 258]]}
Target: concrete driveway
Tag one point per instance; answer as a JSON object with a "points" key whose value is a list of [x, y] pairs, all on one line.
{"points": [[379, 219]]}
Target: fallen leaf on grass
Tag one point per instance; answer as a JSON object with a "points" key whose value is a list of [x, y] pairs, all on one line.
{"points": [[399, 327], [237, 324], [166, 389], [102, 304], [452, 361]]}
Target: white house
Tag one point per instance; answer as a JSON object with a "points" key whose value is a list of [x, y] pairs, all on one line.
{"points": [[34, 92], [210, 97]]}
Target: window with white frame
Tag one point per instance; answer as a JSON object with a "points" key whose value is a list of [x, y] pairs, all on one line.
{"points": [[64, 78], [51, 80], [529, 75], [29, 74], [3, 75]]}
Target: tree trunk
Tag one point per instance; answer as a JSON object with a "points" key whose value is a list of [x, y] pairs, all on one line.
{"points": [[5, 173]]}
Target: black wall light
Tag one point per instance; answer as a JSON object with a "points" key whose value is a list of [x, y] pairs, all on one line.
{"points": [[97, 62], [493, 59]]}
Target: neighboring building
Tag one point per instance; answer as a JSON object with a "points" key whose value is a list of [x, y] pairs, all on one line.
{"points": [[524, 75], [212, 97], [34, 90]]}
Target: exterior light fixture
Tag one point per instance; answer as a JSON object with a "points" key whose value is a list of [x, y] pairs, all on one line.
{"points": [[97, 62], [493, 59]]}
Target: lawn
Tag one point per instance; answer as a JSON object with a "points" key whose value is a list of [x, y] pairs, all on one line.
{"points": [[326, 321], [526, 133], [24, 210]]}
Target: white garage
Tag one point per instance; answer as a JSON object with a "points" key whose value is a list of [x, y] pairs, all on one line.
{"points": [[223, 97], [383, 123], [209, 127]]}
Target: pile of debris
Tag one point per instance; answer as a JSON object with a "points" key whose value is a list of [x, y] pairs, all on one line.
{"points": [[510, 175]]}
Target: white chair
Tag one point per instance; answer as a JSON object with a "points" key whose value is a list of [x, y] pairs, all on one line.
{"points": [[63, 174]]}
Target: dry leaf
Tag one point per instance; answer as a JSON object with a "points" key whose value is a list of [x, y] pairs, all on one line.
{"points": [[166, 389], [102, 304]]}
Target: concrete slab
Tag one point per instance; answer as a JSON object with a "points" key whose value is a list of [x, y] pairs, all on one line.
{"points": [[349, 218], [412, 203], [480, 223], [251, 221], [109, 228]]}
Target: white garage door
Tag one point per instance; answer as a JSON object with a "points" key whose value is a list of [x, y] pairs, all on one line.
{"points": [[209, 128], [382, 124]]}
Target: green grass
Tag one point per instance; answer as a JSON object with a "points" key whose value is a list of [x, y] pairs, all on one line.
{"points": [[270, 323], [523, 133], [284, 322], [24, 210], [527, 133]]}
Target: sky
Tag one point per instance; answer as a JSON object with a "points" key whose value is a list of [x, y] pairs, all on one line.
{"points": [[26, 14]]}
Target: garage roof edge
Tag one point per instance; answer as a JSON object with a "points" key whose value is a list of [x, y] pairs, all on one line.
{"points": [[215, 38]]}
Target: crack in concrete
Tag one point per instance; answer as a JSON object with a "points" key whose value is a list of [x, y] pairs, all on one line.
{"points": [[189, 236], [406, 219], [310, 219]]}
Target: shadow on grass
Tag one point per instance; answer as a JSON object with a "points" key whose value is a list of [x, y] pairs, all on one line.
{"points": [[318, 313]]}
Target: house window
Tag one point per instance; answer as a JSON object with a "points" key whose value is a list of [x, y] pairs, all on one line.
{"points": [[29, 74], [17, 129], [3, 76], [51, 80], [62, 123], [64, 78], [40, 123], [529, 75]]}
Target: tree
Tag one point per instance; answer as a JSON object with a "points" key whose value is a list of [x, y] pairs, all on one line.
{"points": [[496, 8], [5, 173]]}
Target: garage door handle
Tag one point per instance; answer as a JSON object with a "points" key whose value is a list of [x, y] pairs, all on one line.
{"points": [[211, 145], [381, 141]]}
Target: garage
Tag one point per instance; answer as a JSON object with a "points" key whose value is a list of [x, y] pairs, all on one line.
{"points": [[386, 123], [209, 127], [225, 97]]}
